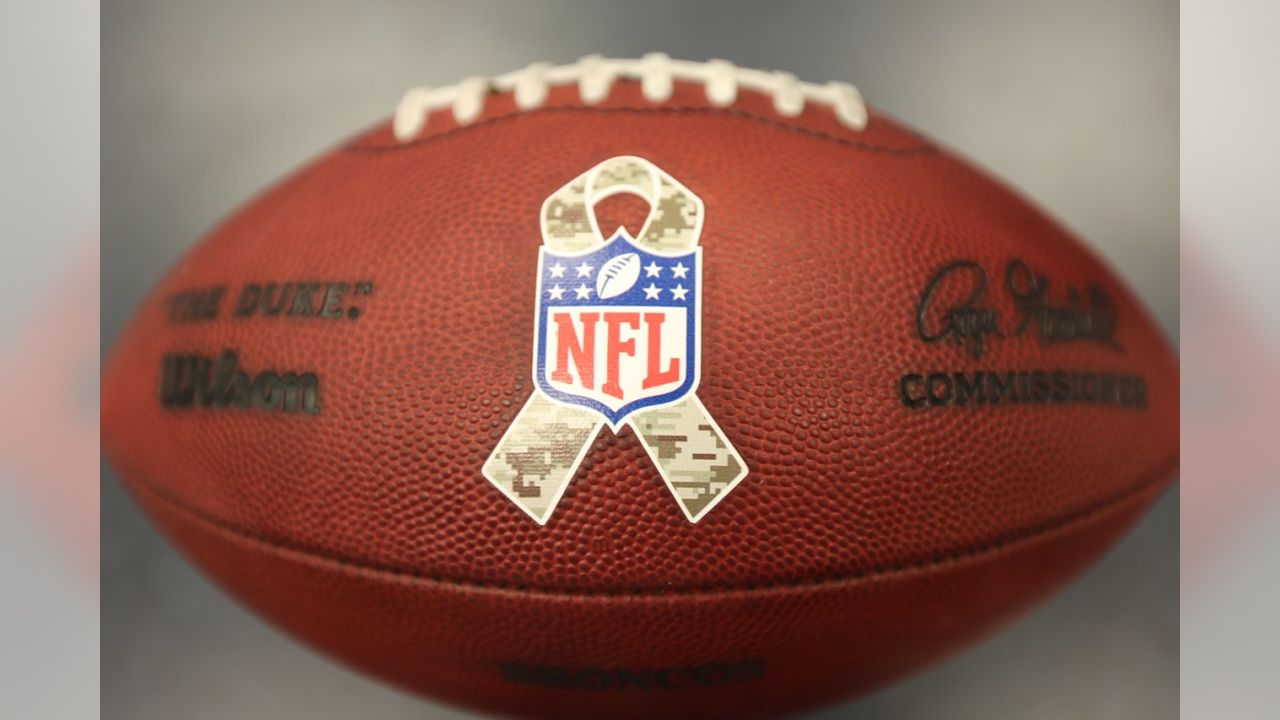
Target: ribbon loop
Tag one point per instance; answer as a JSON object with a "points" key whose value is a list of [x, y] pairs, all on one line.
{"points": [[675, 214]]}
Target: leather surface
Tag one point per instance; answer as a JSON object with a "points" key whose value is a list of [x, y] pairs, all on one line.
{"points": [[869, 537]]}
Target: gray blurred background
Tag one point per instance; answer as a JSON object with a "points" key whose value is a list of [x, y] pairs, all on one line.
{"points": [[1075, 103], [48, 359]]}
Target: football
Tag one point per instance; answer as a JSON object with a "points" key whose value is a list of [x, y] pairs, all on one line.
{"points": [[641, 388], [618, 275]]}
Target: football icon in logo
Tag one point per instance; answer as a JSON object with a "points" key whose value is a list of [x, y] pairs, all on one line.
{"points": [[616, 342], [618, 275]]}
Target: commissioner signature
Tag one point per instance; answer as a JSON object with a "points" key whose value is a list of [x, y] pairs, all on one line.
{"points": [[954, 307]]}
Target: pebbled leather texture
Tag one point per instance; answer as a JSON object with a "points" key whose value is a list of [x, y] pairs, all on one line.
{"points": [[869, 538]]}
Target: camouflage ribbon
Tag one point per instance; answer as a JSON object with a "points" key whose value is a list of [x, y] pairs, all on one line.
{"points": [[539, 454]]}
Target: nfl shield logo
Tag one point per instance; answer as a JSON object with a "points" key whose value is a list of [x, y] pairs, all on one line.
{"points": [[617, 328]]}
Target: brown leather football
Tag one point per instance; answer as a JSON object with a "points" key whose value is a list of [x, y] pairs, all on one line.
{"points": [[641, 389]]}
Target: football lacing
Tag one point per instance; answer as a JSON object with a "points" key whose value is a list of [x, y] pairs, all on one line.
{"points": [[657, 73]]}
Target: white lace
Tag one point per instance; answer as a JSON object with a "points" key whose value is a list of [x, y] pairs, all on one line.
{"points": [[594, 76]]}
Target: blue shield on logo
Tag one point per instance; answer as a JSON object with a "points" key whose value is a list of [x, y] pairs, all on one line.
{"points": [[617, 328]]}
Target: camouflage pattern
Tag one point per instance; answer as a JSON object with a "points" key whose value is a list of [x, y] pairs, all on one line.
{"points": [[537, 457], [567, 223], [539, 454], [697, 462], [624, 172]]}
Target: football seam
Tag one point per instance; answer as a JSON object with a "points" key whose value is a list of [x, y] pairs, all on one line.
{"points": [[909, 151], [1061, 523]]}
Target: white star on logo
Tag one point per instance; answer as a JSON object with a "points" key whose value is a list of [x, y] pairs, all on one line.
{"points": [[651, 292], [679, 270], [557, 270], [557, 292], [652, 269], [678, 292], [583, 291], [584, 270]]}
